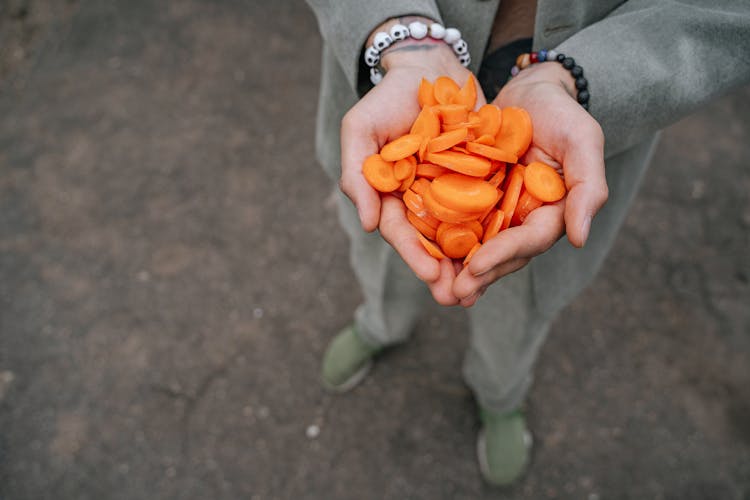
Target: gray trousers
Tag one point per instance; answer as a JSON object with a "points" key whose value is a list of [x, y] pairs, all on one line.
{"points": [[510, 321]]}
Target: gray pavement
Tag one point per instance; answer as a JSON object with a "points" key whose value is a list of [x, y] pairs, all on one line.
{"points": [[171, 270]]}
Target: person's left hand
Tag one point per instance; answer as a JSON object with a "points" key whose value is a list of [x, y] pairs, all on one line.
{"points": [[566, 137]]}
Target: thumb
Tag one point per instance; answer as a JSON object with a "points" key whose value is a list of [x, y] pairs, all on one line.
{"points": [[357, 143]]}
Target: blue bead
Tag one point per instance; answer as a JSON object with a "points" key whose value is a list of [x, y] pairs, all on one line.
{"points": [[542, 55]]}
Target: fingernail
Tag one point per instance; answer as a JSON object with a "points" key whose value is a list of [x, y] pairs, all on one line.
{"points": [[585, 228]]}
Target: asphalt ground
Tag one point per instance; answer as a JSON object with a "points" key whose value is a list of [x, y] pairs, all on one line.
{"points": [[171, 270]]}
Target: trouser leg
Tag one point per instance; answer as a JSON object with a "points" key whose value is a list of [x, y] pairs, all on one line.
{"points": [[510, 322], [393, 295]]}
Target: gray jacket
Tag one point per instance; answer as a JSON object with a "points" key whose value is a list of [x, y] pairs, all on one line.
{"points": [[648, 63]]}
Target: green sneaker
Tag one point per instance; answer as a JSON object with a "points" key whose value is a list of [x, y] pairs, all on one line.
{"points": [[347, 361], [503, 447]]}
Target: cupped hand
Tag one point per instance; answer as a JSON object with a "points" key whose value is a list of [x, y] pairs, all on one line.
{"points": [[383, 114], [566, 137]]}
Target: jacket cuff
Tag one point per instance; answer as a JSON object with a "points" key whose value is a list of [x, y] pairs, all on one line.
{"points": [[346, 25]]}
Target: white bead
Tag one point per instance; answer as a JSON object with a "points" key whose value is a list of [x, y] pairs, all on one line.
{"points": [[460, 47], [417, 30], [382, 41], [465, 59], [437, 31], [375, 76], [372, 57], [551, 55], [399, 32], [452, 35]]}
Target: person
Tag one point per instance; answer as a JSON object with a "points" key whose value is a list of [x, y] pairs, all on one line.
{"points": [[646, 63]]}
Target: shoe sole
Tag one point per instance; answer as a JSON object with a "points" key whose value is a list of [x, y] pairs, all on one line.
{"points": [[484, 467], [352, 381]]}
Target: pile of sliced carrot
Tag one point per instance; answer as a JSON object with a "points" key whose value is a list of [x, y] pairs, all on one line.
{"points": [[457, 170]]}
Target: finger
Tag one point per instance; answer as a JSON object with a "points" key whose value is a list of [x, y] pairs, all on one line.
{"points": [[357, 143], [396, 230], [442, 288], [541, 229], [469, 288], [585, 178]]}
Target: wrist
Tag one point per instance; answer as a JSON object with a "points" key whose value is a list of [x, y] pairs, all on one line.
{"points": [[549, 72]]}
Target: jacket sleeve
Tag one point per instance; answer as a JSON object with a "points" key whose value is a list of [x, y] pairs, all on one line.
{"points": [[650, 63], [345, 25]]}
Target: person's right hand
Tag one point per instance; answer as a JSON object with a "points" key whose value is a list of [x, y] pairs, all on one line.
{"points": [[382, 115]]}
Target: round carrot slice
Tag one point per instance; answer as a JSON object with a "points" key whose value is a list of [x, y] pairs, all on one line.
{"points": [[420, 225], [543, 182], [427, 123], [467, 95], [526, 204], [457, 241], [473, 225], [425, 94], [471, 253], [515, 131], [494, 222], [404, 167], [443, 213], [431, 247], [444, 89], [453, 114], [379, 173], [404, 146], [491, 152], [510, 199], [430, 171], [447, 140], [463, 193], [420, 186], [490, 118], [459, 162]]}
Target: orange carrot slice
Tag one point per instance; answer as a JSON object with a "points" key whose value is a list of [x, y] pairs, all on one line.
{"points": [[526, 203], [430, 171], [490, 152], [443, 213], [425, 94], [463, 193], [452, 114], [420, 185], [444, 89], [422, 153], [494, 223], [431, 247], [510, 199], [427, 123], [543, 182], [486, 139], [404, 146], [379, 173], [406, 183], [447, 140], [490, 118], [469, 165], [420, 225], [457, 241], [404, 167], [467, 95], [413, 201], [471, 253], [497, 179], [515, 131]]}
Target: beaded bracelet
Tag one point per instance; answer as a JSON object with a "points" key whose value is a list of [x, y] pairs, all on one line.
{"points": [[417, 31], [525, 60]]}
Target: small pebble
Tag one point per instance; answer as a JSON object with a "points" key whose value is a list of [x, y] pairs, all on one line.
{"points": [[258, 313], [312, 431]]}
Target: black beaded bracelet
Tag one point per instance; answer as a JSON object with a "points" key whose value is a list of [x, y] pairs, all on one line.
{"points": [[582, 85]]}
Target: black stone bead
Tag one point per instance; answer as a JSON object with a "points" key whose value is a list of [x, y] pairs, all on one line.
{"points": [[568, 63], [560, 57], [583, 96], [581, 83], [576, 71]]}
